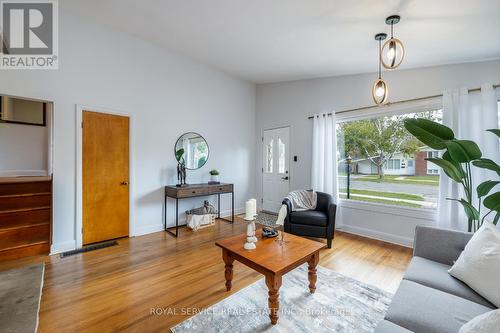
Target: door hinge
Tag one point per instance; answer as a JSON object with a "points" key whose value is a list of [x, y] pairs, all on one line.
{"points": [[262, 139], [262, 170], [261, 200], [82, 124]]}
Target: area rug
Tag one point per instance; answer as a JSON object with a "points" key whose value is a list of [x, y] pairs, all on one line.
{"points": [[340, 304], [266, 219], [20, 292]]}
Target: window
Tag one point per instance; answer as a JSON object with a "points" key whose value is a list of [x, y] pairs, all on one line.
{"points": [[281, 157], [431, 154], [269, 156], [393, 164], [388, 163]]}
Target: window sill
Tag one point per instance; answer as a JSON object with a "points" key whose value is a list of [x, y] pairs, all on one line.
{"points": [[418, 213]]}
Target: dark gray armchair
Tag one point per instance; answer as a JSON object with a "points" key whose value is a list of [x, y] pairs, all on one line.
{"points": [[313, 223]]}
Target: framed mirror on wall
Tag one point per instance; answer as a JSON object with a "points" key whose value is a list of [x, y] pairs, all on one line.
{"points": [[193, 149], [22, 111]]}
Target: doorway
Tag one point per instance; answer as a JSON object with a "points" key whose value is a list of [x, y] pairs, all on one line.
{"points": [[105, 176], [275, 168]]}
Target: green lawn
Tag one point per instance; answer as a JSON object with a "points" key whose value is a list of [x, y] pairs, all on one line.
{"points": [[386, 194], [415, 180], [389, 202]]}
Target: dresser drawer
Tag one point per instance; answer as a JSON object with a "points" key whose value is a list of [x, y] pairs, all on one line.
{"points": [[191, 192], [221, 188]]}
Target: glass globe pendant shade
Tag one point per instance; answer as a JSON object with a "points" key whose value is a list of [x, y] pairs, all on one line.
{"points": [[392, 53], [380, 92]]}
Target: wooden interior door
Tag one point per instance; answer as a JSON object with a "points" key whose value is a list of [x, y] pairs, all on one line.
{"points": [[105, 177]]}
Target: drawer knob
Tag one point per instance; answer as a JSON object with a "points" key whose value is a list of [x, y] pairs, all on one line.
{"points": [[193, 192]]}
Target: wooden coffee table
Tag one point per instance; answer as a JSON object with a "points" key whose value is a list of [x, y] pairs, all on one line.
{"points": [[273, 260]]}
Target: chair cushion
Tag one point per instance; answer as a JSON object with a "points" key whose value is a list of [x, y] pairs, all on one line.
{"points": [[435, 275], [309, 217], [387, 327], [422, 309]]}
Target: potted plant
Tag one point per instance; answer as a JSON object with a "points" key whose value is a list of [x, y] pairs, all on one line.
{"points": [[214, 177], [457, 161]]}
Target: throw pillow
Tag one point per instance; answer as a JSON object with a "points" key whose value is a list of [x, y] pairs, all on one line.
{"points": [[478, 265], [488, 322]]}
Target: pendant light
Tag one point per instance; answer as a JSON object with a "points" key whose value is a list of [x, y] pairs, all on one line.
{"points": [[380, 91], [393, 50]]}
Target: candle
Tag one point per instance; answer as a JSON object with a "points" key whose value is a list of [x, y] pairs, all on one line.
{"points": [[254, 207], [249, 210]]}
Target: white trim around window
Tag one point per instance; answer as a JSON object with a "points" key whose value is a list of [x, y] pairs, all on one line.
{"points": [[435, 103]]}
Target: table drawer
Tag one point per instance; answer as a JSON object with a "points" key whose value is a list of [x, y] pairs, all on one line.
{"points": [[221, 188], [191, 192]]}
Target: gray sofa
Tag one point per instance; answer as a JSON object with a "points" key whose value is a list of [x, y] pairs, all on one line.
{"points": [[429, 299]]}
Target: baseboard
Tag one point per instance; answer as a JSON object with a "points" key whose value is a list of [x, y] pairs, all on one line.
{"points": [[21, 173], [378, 235], [227, 213], [62, 247], [149, 229]]}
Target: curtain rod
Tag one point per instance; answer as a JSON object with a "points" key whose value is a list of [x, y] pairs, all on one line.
{"points": [[399, 102]]}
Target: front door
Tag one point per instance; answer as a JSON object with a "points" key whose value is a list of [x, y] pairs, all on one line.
{"points": [[105, 177], [276, 161]]}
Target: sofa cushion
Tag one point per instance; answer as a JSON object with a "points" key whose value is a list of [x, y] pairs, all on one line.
{"points": [[479, 263], [387, 327], [310, 217], [423, 309], [435, 275]]}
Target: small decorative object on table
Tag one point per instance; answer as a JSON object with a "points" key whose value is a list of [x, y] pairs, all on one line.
{"points": [[214, 177], [250, 212], [181, 168]]}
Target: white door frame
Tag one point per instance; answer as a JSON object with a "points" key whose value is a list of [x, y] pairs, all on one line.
{"points": [[79, 160], [262, 158]]}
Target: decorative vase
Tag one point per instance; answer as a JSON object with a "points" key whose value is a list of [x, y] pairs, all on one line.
{"points": [[214, 178]]}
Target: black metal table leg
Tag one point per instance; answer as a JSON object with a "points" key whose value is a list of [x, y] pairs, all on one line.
{"points": [[218, 206], [232, 209], [176, 220], [165, 214]]}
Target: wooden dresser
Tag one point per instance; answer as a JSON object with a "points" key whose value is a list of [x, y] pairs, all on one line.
{"points": [[196, 190], [25, 216]]}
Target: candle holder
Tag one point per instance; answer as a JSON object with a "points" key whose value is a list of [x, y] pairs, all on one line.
{"points": [[251, 239]]}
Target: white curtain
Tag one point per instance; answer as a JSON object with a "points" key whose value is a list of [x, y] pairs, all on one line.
{"points": [[324, 155], [469, 115]]}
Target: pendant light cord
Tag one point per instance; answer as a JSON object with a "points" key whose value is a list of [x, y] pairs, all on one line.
{"points": [[379, 58]]}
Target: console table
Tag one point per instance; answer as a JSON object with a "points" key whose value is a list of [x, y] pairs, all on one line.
{"points": [[196, 190]]}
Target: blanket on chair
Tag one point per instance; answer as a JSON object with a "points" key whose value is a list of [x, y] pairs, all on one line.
{"points": [[302, 200]]}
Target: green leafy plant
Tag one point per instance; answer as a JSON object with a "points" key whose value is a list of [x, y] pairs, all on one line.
{"points": [[179, 155], [457, 161], [214, 172]]}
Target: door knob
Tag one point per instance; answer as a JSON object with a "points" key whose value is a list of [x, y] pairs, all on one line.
{"points": [[284, 178], [125, 183]]}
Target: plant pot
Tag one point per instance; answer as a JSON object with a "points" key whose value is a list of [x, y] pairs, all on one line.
{"points": [[214, 179]]}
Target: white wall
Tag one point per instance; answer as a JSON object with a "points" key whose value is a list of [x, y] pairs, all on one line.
{"points": [[23, 150], [168, 94], [290, 103]]}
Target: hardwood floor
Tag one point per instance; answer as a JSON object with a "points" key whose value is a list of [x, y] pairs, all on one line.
{"points": [[118, 288]]}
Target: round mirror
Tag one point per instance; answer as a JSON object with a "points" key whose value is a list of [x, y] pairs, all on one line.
{"points": [[192, 149]]}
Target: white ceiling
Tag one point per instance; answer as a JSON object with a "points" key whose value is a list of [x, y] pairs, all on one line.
{"points": [[279, 40]]}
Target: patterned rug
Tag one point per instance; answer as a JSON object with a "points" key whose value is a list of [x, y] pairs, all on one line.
{"points": [[340, 304], [266, 219]]}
